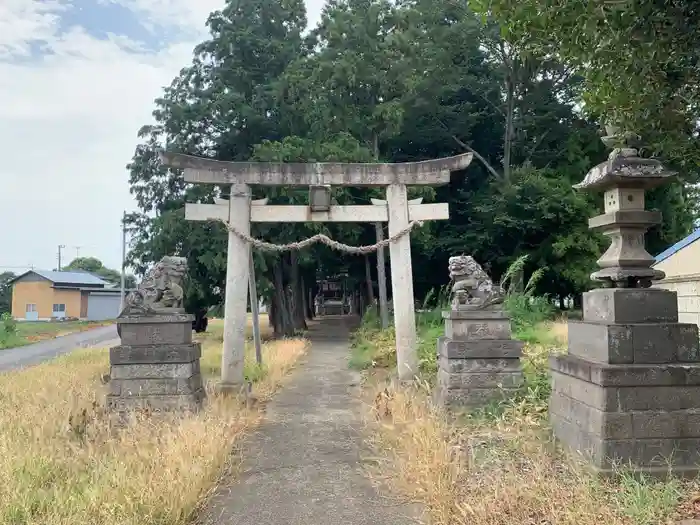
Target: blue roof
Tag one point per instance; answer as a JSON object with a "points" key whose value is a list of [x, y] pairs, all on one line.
{"points": [[66, 277], [678, 246]]}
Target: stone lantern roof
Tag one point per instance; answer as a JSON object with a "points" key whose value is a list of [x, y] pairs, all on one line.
{"points": [[625, 172]]}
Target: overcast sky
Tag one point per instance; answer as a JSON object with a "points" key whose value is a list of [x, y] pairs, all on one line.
{"points": [[77, 80]]}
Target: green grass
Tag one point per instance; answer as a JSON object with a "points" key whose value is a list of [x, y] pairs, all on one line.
{"points": [[28, 332], [373, 347], [648, 502], [30, 328]]}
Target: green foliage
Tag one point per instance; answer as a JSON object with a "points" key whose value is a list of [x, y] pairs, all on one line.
{"points": [[392, 81], [373, 347], [8, 324], [95, 266], [254, 372], [527, 311], [9, 336], [6, 291], [647, 501], [639, 61], [222, 105]]}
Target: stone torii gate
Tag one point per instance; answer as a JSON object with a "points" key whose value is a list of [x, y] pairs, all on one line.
{"points": [[239, 211]]}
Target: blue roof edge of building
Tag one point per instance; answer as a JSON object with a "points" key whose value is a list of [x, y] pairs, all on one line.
{"points": [[690, 239], [76, 277]]}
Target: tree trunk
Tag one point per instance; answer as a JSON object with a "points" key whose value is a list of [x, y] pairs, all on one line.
{"points": [[281, 304], [200, 322], [297, 294], [304, 298], [368, 279], [509, 125], [273, 318], [310, 314]]}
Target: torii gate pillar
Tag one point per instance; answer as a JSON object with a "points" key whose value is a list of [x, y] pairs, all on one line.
{"points": [[402, 283], [236, 294]]}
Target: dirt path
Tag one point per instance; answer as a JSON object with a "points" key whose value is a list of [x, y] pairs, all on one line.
{"points": [[303, 466]]}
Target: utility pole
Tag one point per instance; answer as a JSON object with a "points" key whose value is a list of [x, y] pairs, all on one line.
{"points": [[60, 247], [123, 276]]}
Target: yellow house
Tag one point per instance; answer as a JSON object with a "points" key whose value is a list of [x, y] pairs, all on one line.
{"points": [[681, 264], [39, 295]]}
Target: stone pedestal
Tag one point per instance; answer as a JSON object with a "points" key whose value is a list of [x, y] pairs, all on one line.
{"points": [[627, 393], [478, 362], [157, 365]]}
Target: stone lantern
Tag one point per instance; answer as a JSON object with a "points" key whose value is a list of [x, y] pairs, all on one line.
{"points": [[624, 179], [627, 392]]}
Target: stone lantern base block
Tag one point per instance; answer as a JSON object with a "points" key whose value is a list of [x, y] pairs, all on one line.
{"points": [[630, 305], [156, 367], [478, 362], [627, 394]]}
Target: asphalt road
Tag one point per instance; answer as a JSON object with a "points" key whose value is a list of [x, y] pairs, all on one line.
{"points": [[23, 356]]}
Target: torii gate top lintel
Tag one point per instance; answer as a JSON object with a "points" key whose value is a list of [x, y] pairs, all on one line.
{"points": [[200, 170]]}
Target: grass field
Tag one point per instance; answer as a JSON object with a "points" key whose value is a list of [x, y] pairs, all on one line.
{"points": [[62, 463], [263, 320], [38, 330], [501, 466], [29, 332]]}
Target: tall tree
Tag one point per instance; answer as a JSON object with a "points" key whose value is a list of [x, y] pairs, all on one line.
{"points": [[221, 106], [639, 58], [6, 291], [355, 80], [640, 64], [510, 108]]}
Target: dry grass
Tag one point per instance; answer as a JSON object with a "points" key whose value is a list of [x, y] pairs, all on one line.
{"points": [[559, 331], [62, 464], [263, 320], [482, 472], [501, 467]]}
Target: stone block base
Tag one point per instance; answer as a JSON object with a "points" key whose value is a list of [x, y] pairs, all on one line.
{"points": [[628, 416], [157, 365], [471, 398], [174, 329], [478, 362], [166, 403], [627, 395]]}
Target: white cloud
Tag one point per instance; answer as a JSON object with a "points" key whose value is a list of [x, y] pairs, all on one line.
{"points": [[23, 22], [68, 124], [183, 14]]}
